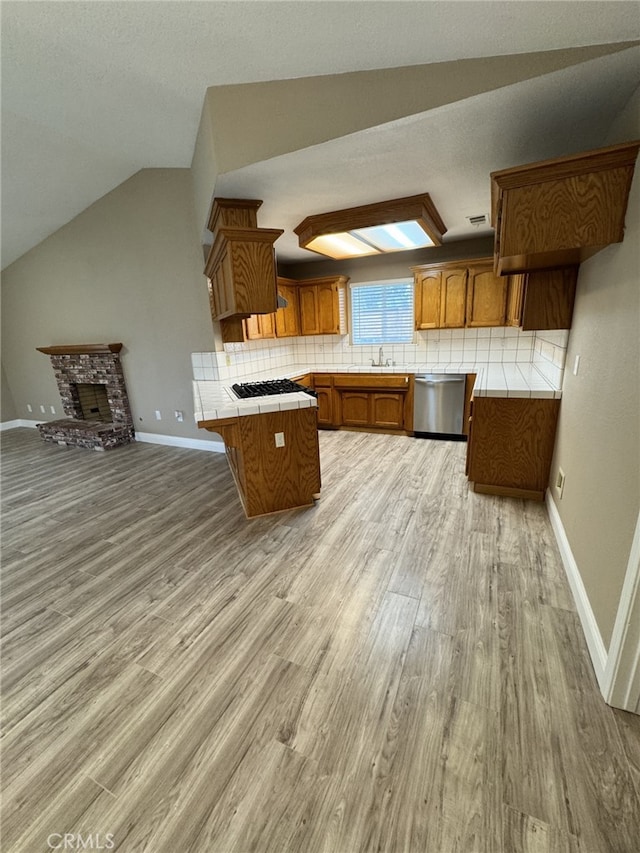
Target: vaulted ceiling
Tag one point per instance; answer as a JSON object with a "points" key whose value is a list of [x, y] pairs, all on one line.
{"points": [[94, 92]]}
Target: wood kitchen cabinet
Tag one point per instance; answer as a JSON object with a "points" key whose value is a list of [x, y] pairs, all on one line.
{"points": [[459, 294], [269, 478], [322, 384], [510, 445], [323, 305], [542, 299], [486, 298], [283, 323], [427, 294], [241, 265], [259, 326], [373, 401], [288, 318], [453, 299], [560, 212]]}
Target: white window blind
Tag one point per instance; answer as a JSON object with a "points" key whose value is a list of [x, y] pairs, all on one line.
{"points": [[382, 313]]}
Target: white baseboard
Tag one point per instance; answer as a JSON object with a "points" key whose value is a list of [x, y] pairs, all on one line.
{"points": [[148, 437], [178, 441], [596, 646], [20, 422]]}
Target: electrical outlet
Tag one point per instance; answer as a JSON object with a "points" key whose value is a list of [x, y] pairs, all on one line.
{"points": [[158, 415], [29, 407], [560, 478], [179, 415], [279, 437]]}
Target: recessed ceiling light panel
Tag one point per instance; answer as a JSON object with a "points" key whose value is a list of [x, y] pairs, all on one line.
{"points": [[388, 226]]}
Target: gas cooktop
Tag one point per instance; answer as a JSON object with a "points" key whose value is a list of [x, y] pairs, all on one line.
{"points": [[269, 386]]}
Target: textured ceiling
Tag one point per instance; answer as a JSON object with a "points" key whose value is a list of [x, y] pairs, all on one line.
{"points": [[93, 92]]}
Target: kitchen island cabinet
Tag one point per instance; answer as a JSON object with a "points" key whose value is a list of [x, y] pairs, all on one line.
{"points": [[274, 458], [511, 445]]}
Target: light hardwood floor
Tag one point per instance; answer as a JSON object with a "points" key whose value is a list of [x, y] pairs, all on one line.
{"points": [[398, 669]]}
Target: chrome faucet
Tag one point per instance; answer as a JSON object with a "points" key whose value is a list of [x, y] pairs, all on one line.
{"points": [[380, 362]]}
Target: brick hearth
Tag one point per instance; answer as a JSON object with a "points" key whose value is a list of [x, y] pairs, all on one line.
{"points": [[89, 364]]}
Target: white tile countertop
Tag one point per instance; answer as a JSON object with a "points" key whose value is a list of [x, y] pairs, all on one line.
{"points": [[214, 400]]}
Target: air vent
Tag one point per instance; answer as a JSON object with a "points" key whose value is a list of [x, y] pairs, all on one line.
{"points": [[480, 219]]}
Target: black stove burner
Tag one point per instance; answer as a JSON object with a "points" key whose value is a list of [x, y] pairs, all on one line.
{"points": [[268, 387]]}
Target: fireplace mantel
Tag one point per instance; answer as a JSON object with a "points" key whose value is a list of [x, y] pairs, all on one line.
{"points": [[79, 349]]}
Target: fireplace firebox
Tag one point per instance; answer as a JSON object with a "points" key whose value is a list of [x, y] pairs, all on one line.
{"points": [[94, 397]]}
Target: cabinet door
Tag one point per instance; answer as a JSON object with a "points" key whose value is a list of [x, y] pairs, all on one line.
{"points": [[288, 319], [387, 410], [514, 299], [267, 324], [453, 299], [325, 406], [548, 299], [486, 298], [309, 315], [427, 299], [252, 330], [355, 408], [327, 301]]}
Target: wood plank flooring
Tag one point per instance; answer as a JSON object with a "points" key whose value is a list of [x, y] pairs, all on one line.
{"points": [[397, 669]]}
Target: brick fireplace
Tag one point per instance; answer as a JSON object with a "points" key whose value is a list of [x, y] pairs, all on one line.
{"points": [[94, 397]]}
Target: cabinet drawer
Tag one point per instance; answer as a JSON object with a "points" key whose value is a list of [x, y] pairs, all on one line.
{"points": [[364, 381]]}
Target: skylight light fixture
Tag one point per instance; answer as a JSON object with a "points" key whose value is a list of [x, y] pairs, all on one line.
{"points": [[373, 229]]}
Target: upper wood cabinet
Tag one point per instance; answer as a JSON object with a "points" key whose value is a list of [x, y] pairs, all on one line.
{"points": [[288, 318], [284, 323], [428, 287], [453, 298], [323, 306], [241, 265], [458, 294], [542, 299], [560, 212], [486, 298]]}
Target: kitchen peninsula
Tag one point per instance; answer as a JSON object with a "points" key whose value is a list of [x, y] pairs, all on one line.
{"points": [[271, 445]]}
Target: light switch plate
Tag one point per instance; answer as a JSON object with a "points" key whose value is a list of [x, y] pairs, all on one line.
{"points": [[279, 437]]}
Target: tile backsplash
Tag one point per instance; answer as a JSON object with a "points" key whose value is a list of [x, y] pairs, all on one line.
{"points": [[550, 354], [545, 350]]}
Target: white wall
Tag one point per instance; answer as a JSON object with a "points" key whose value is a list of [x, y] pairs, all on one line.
{"points": [[598, 441]]}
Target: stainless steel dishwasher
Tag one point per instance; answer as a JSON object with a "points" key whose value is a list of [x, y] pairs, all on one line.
{"points": [[439, 406]]}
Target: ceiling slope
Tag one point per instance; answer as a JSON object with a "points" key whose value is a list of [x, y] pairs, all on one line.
{"points": [[257, 121]]}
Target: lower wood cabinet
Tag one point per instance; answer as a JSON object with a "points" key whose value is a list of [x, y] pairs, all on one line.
{"points": [[272, 478], [365, 401], [511, 445]]}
